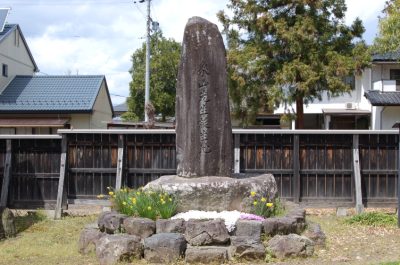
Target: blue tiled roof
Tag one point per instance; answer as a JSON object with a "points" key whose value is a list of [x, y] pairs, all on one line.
{"points": [[388, 56], [121, 107], [51, 94], [378, 98]]}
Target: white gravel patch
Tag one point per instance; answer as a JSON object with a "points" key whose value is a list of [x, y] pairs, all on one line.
{"points": [[230, 217]]}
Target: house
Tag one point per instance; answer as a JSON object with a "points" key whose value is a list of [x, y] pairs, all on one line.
{"points": [[43, 104], [373, 103], [33, 104]]}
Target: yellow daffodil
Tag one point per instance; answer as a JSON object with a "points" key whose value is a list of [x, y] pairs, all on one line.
{"points": [[163, 202], [253, 193], [255, 203], [263, 199], [269, 204], [100, 196], [170, 199], [110, 193], [124, 203], [137, 193], [149, 208]]}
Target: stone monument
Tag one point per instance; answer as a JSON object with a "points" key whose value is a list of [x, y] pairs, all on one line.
{"points": [[203, 131], [203, 124]]}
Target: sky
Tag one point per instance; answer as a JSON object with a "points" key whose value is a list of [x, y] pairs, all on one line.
{"points": [[99, 36]]}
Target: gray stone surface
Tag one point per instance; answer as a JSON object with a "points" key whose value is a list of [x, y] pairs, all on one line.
{"points": [[207, 255], [341, 212], [249, 228], [291, 245], [282, 226], [88, 239], [203, 125], [315, 233], [110, 222], [142, 227], [215, 193], [164, 248], [170, 226], [245, 247], [112, 248], [206, 232], [7, 223]]}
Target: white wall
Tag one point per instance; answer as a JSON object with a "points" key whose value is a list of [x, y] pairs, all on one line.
{"points": [[390, 115], [102, 113], [13, 52]]}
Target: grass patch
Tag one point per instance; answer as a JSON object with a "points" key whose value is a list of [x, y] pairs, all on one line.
{"points": [[44, 241], [373, 219]]}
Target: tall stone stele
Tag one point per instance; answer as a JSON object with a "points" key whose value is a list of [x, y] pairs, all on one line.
{"points": [[203, 125]]}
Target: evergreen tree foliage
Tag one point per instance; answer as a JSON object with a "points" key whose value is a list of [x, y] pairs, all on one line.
{"points": [[289, 51], [165, 55], [388, 39]]}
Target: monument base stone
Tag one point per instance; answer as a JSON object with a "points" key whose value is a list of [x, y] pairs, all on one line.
{"points": [[215, 193]]}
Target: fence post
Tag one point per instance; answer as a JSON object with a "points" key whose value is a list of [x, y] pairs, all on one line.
{"points": [[120, 161], [236, 153], [296, 169], [7, 174], [357, 174], [63, 160]]}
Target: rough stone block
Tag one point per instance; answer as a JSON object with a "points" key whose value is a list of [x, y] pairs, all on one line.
{"points": [[215, 193], [110, 222], [170, 226], [315, 233], [291, 245], [7, 223], [281, 226], [249, 228], [164, 248], [142, 227], [206, 232], [88, 239], [247, 248], [112, 248], [207, 255]]}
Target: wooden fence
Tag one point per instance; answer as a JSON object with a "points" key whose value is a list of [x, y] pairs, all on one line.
{"points": [[320, 168]]}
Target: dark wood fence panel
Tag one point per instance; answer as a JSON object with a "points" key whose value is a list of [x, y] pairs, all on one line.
{"points": [[378, 162], [35, 173], [148, 156], [326, 168], [2, 161], [92, 162], [269, 153]]}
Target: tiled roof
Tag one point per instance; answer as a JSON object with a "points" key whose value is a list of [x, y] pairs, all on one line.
{"points": [[50, 94], [388, 56], [378, 98], [8, 28]]}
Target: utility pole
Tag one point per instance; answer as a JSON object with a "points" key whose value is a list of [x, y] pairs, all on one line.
{"points": [[147, 77]]}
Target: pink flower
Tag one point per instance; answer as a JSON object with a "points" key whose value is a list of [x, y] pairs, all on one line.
{"points": [[249, 216]]}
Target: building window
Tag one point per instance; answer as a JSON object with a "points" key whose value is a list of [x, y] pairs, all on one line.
{"points": [[395, 75], [5, 70]]}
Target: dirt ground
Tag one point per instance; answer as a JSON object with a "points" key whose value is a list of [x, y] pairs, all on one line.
{"points": [[352, 244]]}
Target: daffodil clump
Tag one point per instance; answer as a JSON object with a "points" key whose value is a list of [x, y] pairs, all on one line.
{"points": [[261, 206], [149, 204]]}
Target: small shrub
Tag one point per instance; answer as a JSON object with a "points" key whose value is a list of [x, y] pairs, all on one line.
{"points": [[373, 219], [262, 207], [149, 204]]}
